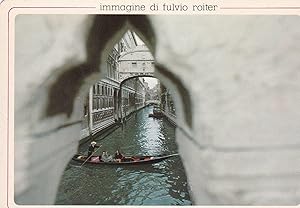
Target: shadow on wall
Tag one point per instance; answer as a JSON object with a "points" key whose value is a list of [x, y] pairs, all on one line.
{"points": [[64, 84], [98, 43]]}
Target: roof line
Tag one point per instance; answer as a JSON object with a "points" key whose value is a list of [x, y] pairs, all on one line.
{"points": [[129, 52], [133, 35]]}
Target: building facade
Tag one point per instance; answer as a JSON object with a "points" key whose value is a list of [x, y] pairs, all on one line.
{"points": [[167, 104], [102, 107], [133, 96]]}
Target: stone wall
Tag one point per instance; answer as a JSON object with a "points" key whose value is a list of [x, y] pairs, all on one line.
{"points": [[235, 82], [243, 76], [46, 47]]}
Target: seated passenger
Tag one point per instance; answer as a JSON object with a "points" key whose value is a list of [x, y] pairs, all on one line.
{"points": [[118, 156], [105, 157]]}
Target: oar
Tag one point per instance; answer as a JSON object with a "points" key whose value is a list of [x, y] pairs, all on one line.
{"points": [[171, 155], [90, 156], [174, 154]]}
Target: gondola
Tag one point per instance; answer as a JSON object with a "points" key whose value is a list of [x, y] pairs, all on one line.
{"points": [[156, 115], [128, 160]]}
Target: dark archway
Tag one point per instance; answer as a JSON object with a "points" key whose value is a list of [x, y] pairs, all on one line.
{"points": [[120, 94]]}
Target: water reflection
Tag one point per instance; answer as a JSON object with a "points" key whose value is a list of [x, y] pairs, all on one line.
{"points": [[163, 183]]}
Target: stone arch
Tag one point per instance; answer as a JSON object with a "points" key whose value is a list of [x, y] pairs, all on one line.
{"points": [[233, 122], [141, 25], [104, 33], [135, 76], [120, 92], [68, 81]]}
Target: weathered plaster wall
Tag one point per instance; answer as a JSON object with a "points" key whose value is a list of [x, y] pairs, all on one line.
{"points": [[244, 79], [242, 75], [46, 46]]}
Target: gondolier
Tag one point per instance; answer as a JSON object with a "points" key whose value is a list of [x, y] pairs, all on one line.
{"points": [[92, 148]]}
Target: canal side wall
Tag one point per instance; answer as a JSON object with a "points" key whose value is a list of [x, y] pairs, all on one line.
{"points": [[48, 67], [170, 117], [98, 128], [103, 127], [237, 100]]}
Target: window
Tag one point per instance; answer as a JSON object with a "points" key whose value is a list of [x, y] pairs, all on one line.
{"points": [[94, 89], [94, 104], [98, 87], [100, 90], [113, 73], [134, 64], [101, 102], [85, 110], [104, 104], [109, 69]]}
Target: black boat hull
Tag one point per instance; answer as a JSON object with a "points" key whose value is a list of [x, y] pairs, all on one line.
{"points": [[134, 160]]}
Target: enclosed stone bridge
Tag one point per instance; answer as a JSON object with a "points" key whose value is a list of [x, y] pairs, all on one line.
{"points": [[156, 102], [123, 76], [136, 63]]}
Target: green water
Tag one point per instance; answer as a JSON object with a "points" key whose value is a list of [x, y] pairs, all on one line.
{"points": [[162, 183]]}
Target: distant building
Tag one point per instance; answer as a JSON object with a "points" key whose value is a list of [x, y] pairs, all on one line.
{"points": [[101, 108], [167, 104], [133, 95]]}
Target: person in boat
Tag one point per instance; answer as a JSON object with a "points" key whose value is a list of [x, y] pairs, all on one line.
{"points": [[92, 148], [106, 157], [118, 156], [103, 155], [100, 158]]}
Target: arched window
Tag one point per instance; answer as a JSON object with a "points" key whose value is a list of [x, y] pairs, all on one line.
{"points": [[98, 87], [101, 103]]}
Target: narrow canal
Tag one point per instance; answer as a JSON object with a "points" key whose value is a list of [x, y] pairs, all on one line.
{"points": [[162, 183]]}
